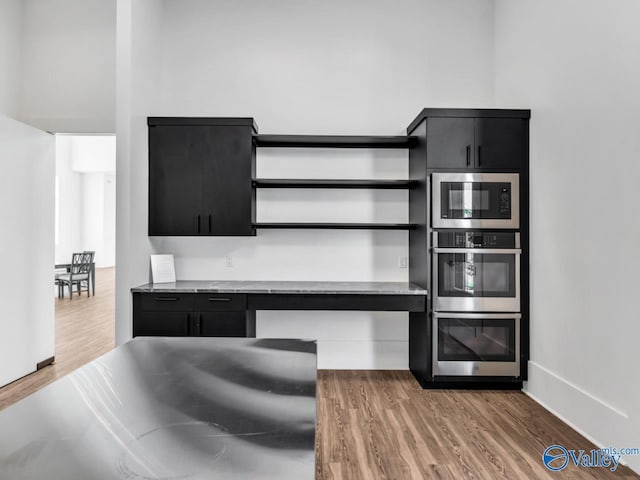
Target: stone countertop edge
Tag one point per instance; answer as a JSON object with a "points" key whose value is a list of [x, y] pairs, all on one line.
{"points": [[265, 287]]}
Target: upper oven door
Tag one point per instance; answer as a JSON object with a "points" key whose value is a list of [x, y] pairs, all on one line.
{"points": [[481, 280], [475, 200]]}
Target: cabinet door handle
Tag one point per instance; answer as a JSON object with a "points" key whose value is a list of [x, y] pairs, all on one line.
{"points": [[219, 299], [166, 299], [479, 155], [209, 223], [198, 223], [200, 326], [468, 155]]}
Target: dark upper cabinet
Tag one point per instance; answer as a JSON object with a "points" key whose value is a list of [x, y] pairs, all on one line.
{"points": [[450, 142], [175, 180], [228, 194], [200, 176], [475, 143], [499, 143]]}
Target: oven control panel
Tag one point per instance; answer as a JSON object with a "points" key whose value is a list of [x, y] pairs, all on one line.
{"points": [[474, 239]]}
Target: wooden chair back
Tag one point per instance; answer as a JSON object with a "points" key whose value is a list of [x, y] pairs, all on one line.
{"points": [[81, 263]]}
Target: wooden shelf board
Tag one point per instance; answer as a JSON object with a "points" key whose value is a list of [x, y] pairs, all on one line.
{"points": [[335, 226], [319, 183], [333, 141]]}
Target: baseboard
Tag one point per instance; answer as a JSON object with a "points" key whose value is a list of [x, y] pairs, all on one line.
{"points": [[44, 363], [590, 416]]}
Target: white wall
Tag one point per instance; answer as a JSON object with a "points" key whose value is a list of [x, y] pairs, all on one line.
{"points": [[93, 213], [576, 65], [10, 56], [107, 256], [306, 67], [68, 68], [26, 248], [98, 217], [93, 153], [70, 195], [85, 166], [138, 45], [309, 67]]}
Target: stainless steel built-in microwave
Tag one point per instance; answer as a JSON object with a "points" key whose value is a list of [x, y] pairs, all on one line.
{"points": [[476, 344], [476, 271], [475, 200]]}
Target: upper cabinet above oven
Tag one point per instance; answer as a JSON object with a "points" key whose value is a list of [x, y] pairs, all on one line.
{"points": [[474, 139], [475, 143]]}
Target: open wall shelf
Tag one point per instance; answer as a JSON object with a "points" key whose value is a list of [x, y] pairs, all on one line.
{"points": [[336, 226], [311, 183], [333, 141]]}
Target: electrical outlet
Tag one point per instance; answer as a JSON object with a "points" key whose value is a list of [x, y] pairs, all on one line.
{"points": [[403, 261], [228, 261]]}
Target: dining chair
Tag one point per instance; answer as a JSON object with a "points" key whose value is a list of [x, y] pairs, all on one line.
{"points": [[92, 276], [79, 272], [59, 272]]}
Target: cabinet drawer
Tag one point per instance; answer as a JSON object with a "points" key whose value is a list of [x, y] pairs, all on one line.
{"points": [[220, 302], [164, 324], [166, 302], [370, 303]]}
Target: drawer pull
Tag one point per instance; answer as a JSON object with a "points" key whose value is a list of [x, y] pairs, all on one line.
{"points": [[166, 299], [219, 299]]}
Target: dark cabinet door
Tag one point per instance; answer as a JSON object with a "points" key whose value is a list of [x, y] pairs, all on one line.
{"points": [[163, 324], [499, 143], [221, 324], [450, 142], [175, 180], [228, 193]]}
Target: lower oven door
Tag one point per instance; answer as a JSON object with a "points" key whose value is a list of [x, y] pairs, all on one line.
{"points": [[476, 344], [476, 280]]}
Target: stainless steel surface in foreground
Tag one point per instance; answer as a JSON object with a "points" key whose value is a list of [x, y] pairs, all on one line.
{"points": [[171, 408]]}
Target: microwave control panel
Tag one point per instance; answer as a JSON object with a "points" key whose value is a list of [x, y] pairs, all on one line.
{"points": [[505, 201]]}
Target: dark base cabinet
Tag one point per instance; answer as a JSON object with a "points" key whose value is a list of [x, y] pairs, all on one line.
{"points": [[162, 324], [222, 324], [469, 383], [190, 315]]}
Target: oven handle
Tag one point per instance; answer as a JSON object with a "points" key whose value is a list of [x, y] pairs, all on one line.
{"points": [[479, 316], [516, 251]]}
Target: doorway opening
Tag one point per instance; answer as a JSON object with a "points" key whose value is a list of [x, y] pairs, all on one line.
{"points": [[85, 222]]}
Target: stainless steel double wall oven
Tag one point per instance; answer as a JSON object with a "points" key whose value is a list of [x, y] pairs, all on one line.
{"points": [[475, 274]]}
